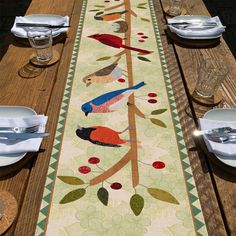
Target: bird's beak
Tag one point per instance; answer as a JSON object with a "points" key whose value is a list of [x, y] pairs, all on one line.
{"points": [[86, 113], [88, 84], [79, 127], [90, 36]]}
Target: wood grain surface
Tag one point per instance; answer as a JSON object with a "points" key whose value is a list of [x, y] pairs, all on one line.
{"points": [[44, 93]]}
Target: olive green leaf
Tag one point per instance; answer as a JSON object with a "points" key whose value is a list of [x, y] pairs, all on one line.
{"points": [[136, 204], [158, 111], [103, 195], [73, 195], [141, 7], [162, 195], [71, 180], [99, 13], [158, 122], [103, 58], [144, 19], [99, 6], [141, 4], [143, 59], [93, 10]]}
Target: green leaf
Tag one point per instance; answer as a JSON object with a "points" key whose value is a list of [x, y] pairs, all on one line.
{"points": [[94, 10], [143, 59], [162, 195], [103, 195], [141, 7], [158, 122], [99, 6], [141, 4], [73, 195], [144, 19], [136, 204], [99, 13], [158, 111], [71, 180], [103, 58]]}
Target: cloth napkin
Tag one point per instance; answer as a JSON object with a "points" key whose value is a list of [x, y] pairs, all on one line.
{"points": [[226, 149], [22, 31], [20, 146], [197, 32]]}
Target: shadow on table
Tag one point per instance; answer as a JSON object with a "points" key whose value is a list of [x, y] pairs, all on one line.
{"points": [[8, 11], [226, 11]]}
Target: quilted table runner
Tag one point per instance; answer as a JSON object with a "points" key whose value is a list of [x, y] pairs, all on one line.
{"points": [[119, 165]]}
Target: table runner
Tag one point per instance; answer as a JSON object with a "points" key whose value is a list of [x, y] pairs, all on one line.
{"points": [[119, 165]]}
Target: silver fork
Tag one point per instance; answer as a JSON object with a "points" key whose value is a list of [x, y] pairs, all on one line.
{"points": [[223, 138], [31, 129]]}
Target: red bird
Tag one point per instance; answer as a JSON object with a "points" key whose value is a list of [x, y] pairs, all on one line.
{"points": [[115, 42], [101, 135]]}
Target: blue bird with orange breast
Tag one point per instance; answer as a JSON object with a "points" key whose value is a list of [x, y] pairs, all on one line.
{"points": [[111, 101]]}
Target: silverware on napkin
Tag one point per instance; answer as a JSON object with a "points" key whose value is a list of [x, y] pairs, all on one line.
{"points": [[197, 23], [22, 135], [222, 138], [41, 25], [220, 130]]}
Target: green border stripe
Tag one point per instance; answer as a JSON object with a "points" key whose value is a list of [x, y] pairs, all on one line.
{"points": [[44, 209], [190, 183]]}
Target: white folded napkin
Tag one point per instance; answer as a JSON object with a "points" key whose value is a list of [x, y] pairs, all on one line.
{"points": [[21, 146], [22, 31], [226, 149], [197, 32]]}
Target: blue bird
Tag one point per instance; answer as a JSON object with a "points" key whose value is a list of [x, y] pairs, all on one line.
{"points": [[111, 101]]}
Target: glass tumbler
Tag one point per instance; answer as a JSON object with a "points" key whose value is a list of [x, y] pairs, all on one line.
{"points": [[175, 7], [40, 39], [211, 74]]}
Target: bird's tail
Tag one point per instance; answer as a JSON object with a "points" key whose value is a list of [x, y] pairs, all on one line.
{"points": [[137, 86], [142, 51]]}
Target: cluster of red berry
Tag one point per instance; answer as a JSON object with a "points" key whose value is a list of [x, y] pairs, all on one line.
{"points": [[152, 98], [142, 36]]}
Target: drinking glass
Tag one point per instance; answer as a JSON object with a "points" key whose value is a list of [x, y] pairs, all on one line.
{"points": [[40, 39], [175, 7], [211, 73]]}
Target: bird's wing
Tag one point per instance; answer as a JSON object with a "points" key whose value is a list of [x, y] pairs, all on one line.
{"points": [[106, 70], [122, 102]]}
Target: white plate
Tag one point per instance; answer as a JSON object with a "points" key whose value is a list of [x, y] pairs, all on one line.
{"points": [[14, 111], [198, 37], [194, 19], [45, 19], [223, 114]]}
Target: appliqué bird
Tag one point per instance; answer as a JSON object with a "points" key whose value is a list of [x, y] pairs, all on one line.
{"points": [[110, 16], [115, 42], [105, 75], [111, 101], [101, 135]]}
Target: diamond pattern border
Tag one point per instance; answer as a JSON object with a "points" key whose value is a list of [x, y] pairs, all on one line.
{"points": [[189, 180], [44, 209]]}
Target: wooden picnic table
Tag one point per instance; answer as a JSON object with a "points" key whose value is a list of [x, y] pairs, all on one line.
{"points": [[25, 180]]}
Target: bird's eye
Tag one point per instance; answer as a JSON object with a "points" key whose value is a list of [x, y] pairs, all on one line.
{"points": [[85, 109], [89, 79]]}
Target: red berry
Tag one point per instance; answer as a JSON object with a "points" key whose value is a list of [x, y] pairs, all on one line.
{"points": [[121, 80], [107, 1], [141, 40], [152, 95], [93, 160], [116, 186], [144, 37], [84, 169], [152, 101], [158, 164], [140, 33]]}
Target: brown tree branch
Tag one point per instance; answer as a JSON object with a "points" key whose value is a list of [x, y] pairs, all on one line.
{"points": [[112, 170], [132, 154]]}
